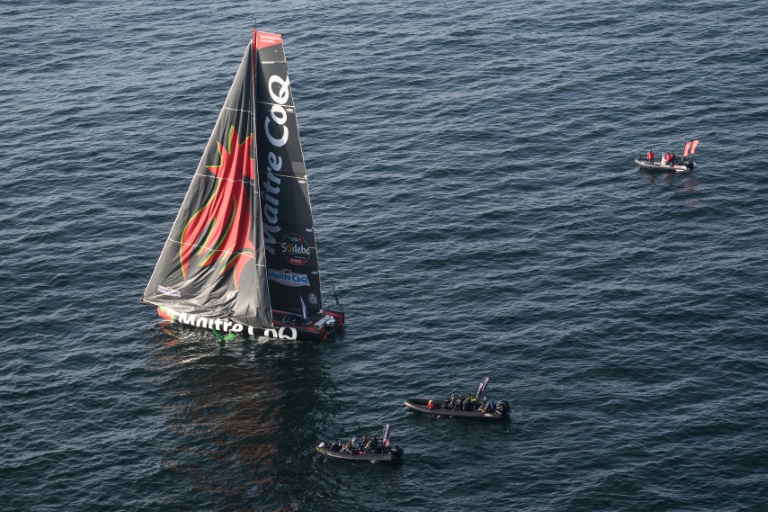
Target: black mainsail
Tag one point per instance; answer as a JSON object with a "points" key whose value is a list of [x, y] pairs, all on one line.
{"points": [[241, 255], [289, 230]]}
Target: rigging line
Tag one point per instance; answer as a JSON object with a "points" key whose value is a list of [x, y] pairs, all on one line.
{"points": [[249, 111], [290, 107], [281, 176], [211, 250], [213, 176]]}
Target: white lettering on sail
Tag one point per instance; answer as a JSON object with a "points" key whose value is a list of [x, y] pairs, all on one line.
{"points": [[283, 92], [270, 214], [275, 142], [269, 239], [278, 114], [271, 178], [280, 92], [275, 163], [288, 278], [271, 191]]}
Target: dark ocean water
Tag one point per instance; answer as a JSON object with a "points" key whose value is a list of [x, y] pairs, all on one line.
{"points": [[480, 214]]}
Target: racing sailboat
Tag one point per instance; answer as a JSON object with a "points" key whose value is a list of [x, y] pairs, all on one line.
{"points": [[241, 256]]}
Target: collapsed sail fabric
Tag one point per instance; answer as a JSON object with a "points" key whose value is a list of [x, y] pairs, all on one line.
{"points": [[289, 230], [213, 263]]}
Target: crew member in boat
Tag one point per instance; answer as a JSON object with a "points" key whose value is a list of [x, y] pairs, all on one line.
{"points": [[431, 404], [484, 404], [650, 156]]}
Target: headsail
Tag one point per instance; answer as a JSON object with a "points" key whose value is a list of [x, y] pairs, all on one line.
{"points": [[289, 230], [213, 261]]}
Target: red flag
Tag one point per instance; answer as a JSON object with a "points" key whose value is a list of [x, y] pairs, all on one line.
{"points": [[687, 148], [481, 388], [693, 146]]}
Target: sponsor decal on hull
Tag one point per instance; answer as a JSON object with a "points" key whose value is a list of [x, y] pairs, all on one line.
{"points": [[279, 333]]}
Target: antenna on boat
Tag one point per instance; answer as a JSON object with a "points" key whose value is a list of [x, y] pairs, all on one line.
{"points": [[336, 297]]}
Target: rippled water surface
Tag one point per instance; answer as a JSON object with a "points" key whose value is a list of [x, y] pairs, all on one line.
{"points": [[480, 214]]}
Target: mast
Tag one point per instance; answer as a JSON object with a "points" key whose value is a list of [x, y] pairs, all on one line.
{"points": [[213, 263], [289, 230]]}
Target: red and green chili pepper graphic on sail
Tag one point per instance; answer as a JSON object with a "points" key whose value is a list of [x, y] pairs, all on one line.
{"points": [[225, 220]]}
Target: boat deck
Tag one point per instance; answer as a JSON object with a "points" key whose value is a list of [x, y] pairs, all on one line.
{"points": [[389, 456], [658, 166], [420, 405]]}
